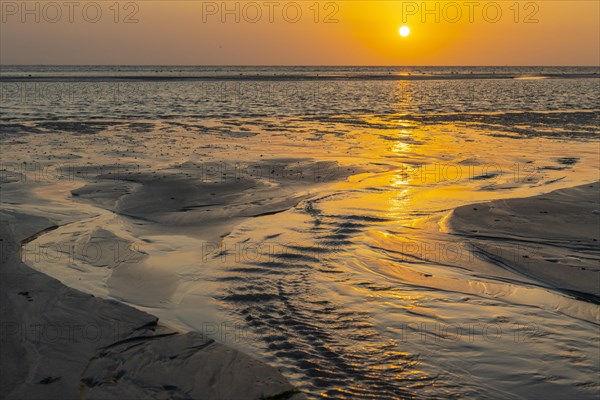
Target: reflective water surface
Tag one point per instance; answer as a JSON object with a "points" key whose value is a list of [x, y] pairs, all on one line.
{"points": [[304, 221]]}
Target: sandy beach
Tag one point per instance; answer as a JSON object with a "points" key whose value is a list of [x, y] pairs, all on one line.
{"points": [[283, 247]]}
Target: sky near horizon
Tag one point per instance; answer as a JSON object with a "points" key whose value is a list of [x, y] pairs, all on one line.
{"points": [[547, 32]]}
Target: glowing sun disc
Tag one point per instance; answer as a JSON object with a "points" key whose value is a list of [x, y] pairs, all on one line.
{"points": [[404, 31]]}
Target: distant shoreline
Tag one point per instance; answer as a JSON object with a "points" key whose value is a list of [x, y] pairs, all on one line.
{"points": [[287, 78]]}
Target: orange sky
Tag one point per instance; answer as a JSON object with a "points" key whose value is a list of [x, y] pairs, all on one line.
{"points": [[548, 32]]}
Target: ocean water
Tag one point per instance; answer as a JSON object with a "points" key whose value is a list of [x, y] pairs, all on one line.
{"points": [[160, 93], [336, 181]]}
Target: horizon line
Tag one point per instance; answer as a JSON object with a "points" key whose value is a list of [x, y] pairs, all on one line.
{"points": [[303, 65]]}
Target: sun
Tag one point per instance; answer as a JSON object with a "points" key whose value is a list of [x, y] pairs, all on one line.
{"points": [[404, 31]]}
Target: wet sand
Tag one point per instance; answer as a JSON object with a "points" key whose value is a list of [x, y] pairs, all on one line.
{"points": [[60, 343], [159, 215], [552, 238]]}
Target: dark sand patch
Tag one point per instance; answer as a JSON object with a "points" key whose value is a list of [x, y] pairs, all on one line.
{"points": [[207, 200], [553, 238], [58, 343]]}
